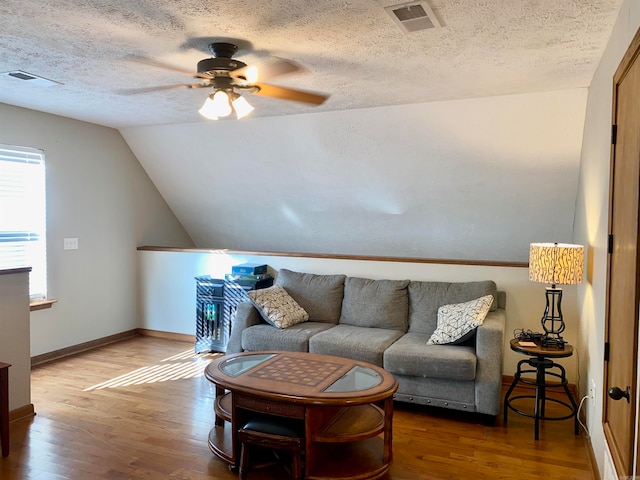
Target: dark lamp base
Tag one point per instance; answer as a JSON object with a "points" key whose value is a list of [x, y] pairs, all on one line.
{"points": [[553, 342]]}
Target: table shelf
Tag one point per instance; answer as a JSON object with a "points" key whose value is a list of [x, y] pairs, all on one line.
{"points": [[221, 442], [348, 461], [352, 424], [223, 407]]}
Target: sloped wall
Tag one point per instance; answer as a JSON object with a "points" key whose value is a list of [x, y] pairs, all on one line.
{"points": [[466, 179], [99, 193]]}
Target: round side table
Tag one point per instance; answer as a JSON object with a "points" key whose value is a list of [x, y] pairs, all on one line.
{"points": [[543, 366]]}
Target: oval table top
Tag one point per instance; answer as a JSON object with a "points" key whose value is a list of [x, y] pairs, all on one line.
{"points": [[300, 377]]}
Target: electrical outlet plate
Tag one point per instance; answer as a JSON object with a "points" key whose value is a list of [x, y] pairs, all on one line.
{"points": [[592, 392]]}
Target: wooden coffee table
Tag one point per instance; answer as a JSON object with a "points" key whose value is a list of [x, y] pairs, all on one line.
{"points": [[346, 405]]}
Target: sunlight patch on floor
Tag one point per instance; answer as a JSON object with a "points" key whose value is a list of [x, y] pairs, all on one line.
{"points": [[190, 354], [192, 367]]}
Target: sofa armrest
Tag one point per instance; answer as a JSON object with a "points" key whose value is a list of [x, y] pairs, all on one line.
{"points": [[246, 316], [489, 354]]}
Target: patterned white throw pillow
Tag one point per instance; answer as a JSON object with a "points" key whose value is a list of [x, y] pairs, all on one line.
{"points": [[277, 307], [457, 322]]}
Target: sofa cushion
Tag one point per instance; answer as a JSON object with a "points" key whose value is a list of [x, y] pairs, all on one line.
{"points": [[277, 307], [458, 322], [425, 298], [411, 355], [292, 339], [375, 303], [320, 295], [358, 343]]}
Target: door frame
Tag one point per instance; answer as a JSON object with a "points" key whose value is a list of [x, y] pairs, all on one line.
{"points": [[631, 55]]}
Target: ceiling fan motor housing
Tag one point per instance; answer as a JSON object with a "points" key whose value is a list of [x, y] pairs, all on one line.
{"points": [[223, 49], [211, 66]]}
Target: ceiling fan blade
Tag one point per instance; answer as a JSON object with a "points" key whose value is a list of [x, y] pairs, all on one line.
{"points": [[266, 69], [284, 93], [166, 66], [135, 91]]}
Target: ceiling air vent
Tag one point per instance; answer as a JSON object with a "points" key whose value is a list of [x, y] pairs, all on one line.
{"points": [[33, 79], [414, 16]]}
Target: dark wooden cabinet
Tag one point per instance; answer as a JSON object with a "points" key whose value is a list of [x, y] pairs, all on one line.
{"points": [[212, 328], [216, 303]]}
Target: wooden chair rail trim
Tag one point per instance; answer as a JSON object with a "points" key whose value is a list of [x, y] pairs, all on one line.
{"points": [[336, 256]]}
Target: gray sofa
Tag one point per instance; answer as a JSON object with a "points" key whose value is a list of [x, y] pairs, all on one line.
{"points": [[388, 323]]}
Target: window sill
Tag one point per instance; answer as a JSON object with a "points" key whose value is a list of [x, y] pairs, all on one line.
{"points": [[41, 304]]}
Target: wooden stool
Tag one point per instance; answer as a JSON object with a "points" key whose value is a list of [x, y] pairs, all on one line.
{"points": [[4, 408], [275, 433]]}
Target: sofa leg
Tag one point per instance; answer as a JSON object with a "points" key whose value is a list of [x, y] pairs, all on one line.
{"points": [[488, 420]]}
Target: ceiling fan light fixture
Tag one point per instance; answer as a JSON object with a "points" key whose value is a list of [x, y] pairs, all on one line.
{"points": [[242, 107], [208, 109], [221, 104], [217, 105], [230, 78]]}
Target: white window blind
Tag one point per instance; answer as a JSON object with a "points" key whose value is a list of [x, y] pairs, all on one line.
{"points": [[23, 214]]}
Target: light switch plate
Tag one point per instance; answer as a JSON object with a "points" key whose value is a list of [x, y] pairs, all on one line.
{"points": [[71, 243]]}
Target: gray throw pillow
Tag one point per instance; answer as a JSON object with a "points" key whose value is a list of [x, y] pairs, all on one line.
{"points": [[375, 303], [425, 298], [320, 295]]}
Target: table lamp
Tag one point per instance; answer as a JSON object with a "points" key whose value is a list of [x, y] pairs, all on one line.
{"points": [[557, 264]]}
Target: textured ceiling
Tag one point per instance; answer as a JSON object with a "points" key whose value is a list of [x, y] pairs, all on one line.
{"points": [[351, 49]]}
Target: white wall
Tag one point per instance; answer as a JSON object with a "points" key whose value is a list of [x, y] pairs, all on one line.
{"points": [[168, 289], [474, 179], [592, 215], [14, 335], [98, 192]]}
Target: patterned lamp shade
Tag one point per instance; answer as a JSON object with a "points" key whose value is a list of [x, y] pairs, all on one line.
{"points": [[556, 263]]}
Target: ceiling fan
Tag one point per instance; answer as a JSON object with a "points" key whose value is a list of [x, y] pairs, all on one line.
{"points": [[230, 78]]}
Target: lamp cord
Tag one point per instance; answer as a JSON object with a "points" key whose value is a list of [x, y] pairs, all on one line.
{"points": [[575, 349], [578, 415]]}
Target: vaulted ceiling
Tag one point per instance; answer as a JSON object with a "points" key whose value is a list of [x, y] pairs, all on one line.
{"points": [[461, 141], [351, 50]]}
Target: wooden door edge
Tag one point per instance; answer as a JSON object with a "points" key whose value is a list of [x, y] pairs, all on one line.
{"points": [[631, 54]]}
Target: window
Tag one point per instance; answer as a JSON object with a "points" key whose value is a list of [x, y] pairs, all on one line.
{"points": [[23, 215]]}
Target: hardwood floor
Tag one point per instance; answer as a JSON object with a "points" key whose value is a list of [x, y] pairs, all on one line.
{"points": [[140, 409]]}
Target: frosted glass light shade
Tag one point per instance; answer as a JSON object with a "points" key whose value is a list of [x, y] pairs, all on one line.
{"points": [[208, 110], [242, 107], [556, 263], [221, 103], [216, 105]]}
